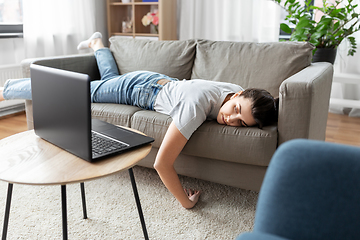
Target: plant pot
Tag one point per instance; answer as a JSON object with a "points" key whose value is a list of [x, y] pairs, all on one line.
{"points": [[325, 55]]}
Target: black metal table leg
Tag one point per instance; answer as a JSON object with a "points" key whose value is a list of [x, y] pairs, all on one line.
{"points": [[83, 199], [7, 211], [138, 204], [64, 212]]}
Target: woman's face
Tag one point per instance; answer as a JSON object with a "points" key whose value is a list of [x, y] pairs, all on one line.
{"points": [[236, 112]]}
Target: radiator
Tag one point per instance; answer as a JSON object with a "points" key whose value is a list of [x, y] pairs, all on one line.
{"points": [[10, 106], [8, 72]]}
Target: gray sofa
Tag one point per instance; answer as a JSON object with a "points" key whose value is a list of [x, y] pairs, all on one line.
{"points": [[228, 155]]}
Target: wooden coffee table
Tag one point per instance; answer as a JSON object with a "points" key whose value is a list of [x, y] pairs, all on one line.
{"points": [[28, 159]]}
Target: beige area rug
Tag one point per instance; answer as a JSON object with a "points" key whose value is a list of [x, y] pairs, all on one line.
{"points": [[222, 212]]}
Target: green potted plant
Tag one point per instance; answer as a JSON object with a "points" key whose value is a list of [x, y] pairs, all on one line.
{"points": [[339, 21]]}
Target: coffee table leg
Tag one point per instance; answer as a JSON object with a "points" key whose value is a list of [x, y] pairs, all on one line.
{"points": [[64, 212], [7, 211], [83, 199], [138, 204]]}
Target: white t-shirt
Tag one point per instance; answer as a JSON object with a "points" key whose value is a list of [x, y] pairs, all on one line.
{"points": [[191, 102]]}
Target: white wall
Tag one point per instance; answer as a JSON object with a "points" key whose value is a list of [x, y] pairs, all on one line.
{"points": [[11, 51]]}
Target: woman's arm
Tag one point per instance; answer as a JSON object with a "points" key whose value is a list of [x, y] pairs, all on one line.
{"points": [[170, 148]]}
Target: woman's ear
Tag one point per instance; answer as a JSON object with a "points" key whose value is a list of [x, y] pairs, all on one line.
{"points": [[236, 94]]}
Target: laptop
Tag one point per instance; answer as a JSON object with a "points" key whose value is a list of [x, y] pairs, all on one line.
{"points": [[62, 116]]}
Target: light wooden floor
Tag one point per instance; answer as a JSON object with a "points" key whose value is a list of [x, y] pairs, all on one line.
{"points": [[343, 129], [339, 129], [12, 124]]}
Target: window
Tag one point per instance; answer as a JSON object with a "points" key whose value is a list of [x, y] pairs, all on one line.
{"points": [[283, 14], [11, 18]]}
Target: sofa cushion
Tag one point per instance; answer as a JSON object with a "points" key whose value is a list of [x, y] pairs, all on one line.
{"points": [[211, 140], [259, 65], [251, 145], [172, 58], [151, 123], [117, 114]]}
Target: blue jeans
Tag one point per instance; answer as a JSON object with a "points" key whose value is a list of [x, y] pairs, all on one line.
{"points": [[17, 89], [138, 88]]}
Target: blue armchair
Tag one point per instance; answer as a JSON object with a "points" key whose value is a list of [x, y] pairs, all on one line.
{"points": [[311, 191]]}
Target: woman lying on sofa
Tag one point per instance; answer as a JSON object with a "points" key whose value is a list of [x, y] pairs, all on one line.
{"points": [[189, 103]]}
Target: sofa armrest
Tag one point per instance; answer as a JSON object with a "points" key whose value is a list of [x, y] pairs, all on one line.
{"points": [[82, 63], [304, 103]]}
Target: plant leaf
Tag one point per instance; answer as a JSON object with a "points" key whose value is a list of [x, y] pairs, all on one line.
{"points": [[304, 22], [285, 28]]}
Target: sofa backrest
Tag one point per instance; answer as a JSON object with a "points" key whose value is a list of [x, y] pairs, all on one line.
{"points": [[258, 65], [172, 58]]}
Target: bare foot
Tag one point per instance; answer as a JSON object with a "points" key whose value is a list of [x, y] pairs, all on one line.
{"points": [[193, 196], [1, 94]]}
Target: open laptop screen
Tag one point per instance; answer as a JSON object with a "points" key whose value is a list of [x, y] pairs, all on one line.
{"points": [[61, 108]]}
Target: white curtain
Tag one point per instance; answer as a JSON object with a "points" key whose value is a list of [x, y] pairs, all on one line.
{"points": [[229, 20], [55, 27]]}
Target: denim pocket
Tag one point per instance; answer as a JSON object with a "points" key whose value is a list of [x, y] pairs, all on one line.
{"points": [[144, 96], [141, 97]]}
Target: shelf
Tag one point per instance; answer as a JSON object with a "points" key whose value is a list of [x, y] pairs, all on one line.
{"points": [[346, 78], [120, 4], [135, 10], [135, 3], [141, 2], [146, 3], [137, 34], [345, 103], [123, 34], [147, 35]]}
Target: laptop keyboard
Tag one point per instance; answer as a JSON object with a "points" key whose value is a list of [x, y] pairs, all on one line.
{"points": [[103, 145]]}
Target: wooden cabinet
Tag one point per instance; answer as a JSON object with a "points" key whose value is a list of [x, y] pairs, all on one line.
{"points": [[121, 11]]}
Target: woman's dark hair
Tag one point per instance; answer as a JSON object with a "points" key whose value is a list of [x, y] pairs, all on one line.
{"points": [[264, 108]]}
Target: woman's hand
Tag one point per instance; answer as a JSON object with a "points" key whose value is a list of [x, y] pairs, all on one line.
{"points": [[193, 196], [169, 150]]}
